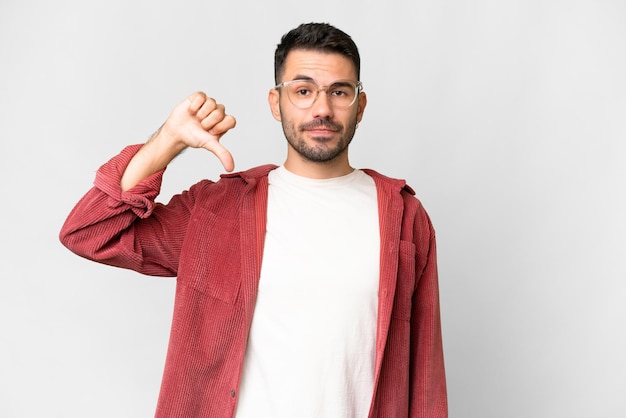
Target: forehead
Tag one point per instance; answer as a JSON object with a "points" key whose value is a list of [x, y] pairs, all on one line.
{"points": [[320, 66]]}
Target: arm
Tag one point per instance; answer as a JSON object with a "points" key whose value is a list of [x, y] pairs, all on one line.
{"points": [[428, 391], [117, 222]]}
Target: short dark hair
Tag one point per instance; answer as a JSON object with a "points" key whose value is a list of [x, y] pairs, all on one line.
{"points": [[320, 37]]}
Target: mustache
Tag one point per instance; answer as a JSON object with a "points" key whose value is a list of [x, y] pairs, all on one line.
{"points": [[321, 123]]}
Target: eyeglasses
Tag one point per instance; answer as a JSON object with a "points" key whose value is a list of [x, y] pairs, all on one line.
{"points": [[303, 93]]}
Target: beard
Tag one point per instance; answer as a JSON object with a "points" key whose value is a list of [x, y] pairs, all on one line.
{"points": [[322, 150]]}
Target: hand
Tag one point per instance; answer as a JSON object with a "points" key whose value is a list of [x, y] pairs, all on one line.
{"points": [[200, 122]]}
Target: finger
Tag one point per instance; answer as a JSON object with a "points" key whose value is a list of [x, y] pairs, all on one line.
{"points": [[196, 100], [227, 123], [223, 155], [213, 118], [207, 107]]}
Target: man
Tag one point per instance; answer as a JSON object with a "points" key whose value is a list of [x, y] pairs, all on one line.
{"points": [[306, 290]]}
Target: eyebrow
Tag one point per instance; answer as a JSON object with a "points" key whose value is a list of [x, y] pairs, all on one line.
{"points": [[302, 77], [337, 82], [343, 83]]}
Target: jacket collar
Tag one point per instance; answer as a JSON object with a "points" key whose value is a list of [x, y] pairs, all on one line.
{"points": [[252, 175], [395, 185]]}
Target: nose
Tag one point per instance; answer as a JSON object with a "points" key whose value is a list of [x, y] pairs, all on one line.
{"points": [[322, 108]]}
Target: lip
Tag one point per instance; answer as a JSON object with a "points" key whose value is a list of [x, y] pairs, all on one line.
{"points": [[321, 131]]}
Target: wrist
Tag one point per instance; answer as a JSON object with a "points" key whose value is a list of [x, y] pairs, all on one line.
{"points": [[166, 144]]}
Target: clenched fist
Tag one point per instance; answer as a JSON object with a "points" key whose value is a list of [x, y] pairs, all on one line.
{"points": [[199, 122]]}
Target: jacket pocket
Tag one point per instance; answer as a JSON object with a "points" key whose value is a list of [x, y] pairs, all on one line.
{"points": [[210, 260]]}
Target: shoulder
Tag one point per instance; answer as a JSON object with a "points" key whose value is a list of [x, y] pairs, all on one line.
{"points": [[241, 178], [397, 190], [231, 185], [250, 175], [394, 185]]}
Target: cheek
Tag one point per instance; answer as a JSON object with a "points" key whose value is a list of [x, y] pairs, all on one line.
{"points": [[293, 117], [351, 119]]}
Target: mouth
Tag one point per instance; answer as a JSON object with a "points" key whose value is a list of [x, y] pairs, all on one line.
{"points": [[321, 128]]}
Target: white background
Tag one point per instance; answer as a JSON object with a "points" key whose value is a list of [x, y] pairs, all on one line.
{"points": [[507, 117]]}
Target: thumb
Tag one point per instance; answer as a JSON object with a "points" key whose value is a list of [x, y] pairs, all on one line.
{"points": [[222, 154]]}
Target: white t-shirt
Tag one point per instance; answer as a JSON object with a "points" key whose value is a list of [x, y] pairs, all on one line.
{"points": [[311, 349]]}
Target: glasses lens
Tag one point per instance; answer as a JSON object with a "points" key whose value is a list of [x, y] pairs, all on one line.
{"points": [[303, 93], [341, 94]]}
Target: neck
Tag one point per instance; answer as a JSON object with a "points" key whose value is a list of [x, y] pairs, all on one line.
{"points": [[337, 167]]}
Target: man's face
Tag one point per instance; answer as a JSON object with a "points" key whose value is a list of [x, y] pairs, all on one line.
{"points": [[322, 132]]}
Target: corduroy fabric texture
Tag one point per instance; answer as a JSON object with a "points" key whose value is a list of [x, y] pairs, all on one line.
{"points": [[211, 238]]}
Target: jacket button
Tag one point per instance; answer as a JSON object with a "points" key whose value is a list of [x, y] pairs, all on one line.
{"points": [[232, 393]]}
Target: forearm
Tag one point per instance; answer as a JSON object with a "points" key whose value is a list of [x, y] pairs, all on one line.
{"points": [[154, 156], [110, 226]]}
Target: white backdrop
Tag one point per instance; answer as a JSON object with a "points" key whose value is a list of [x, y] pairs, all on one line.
{"points": [[508, 118]]}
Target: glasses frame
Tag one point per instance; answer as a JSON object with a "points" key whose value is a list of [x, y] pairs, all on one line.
{"points": [[358, 88]]}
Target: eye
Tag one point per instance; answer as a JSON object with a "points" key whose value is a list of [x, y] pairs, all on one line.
{"points": [[339, 93], [338, 90], [302, 89]]}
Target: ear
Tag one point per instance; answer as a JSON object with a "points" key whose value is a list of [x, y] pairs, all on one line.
{"points": [[362, 103], [273, 99]]}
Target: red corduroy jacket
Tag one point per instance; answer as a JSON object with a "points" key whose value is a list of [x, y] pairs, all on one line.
{"points": [[211, 237]]}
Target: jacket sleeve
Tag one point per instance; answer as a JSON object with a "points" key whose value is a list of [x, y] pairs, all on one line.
{"points": [[127, 228], [428, 381]]}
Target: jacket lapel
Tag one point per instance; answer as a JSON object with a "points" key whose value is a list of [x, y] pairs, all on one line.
{"points": [[253, 224]]}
